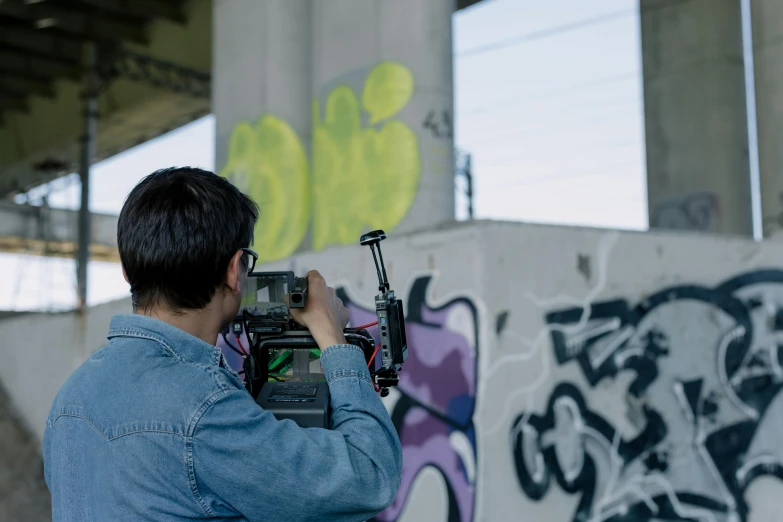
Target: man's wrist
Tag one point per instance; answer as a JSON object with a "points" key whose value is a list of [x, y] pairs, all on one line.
{"points": [[329, 339]]}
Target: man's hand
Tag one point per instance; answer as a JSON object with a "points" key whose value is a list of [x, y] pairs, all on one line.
{"points": [[324, 314]]}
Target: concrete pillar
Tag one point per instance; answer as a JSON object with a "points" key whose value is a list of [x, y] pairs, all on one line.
{"points": [[337, 117], [698, 175], [383, 132], [261, 101], [767, 36]]}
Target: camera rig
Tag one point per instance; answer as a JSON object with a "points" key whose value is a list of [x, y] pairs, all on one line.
{"points": [[278, 366]]}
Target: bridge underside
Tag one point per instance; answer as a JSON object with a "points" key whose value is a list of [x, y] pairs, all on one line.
{"points": [[151, 56]]}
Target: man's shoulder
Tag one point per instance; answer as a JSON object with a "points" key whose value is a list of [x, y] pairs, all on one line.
{"points": [[134, 384]]}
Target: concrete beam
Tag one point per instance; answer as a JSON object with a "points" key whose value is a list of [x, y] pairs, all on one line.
{"points": [[464, 4], [35, 41], [22, 85], [85, 25], [53, 232], [13, 102], [141, 8], [130, 112], [18, 61]]}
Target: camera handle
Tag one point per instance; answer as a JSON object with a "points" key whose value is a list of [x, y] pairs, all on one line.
{"points": [[391, 320]]}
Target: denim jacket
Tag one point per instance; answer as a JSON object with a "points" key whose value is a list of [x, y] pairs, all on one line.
{"points": [[155, 426]]}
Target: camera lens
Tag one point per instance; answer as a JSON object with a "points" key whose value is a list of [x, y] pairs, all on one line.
{"points": [[296, 298]]}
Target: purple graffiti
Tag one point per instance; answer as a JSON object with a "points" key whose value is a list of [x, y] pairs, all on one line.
{"points": [[437, 395]]}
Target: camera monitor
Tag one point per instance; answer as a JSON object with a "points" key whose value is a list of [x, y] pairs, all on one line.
{"points": [[264, 293]]}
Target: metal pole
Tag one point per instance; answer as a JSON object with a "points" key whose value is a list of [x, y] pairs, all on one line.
{"points": [[88, 152], [469, 179]]}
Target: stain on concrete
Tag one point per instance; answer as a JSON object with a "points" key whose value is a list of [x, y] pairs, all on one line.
{"points": [[584, 266], [500, 321]]}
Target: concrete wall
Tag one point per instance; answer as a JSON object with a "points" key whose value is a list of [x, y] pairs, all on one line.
{"points": [[39, 352], [555, 373]]}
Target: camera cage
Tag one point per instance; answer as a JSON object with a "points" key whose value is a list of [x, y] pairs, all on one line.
{"points": [[269, 332]]}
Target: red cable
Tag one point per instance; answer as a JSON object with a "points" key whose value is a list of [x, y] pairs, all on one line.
{"points": [[372, 358], [377, 389], [239, 342], [369, 363], [365, 325]]}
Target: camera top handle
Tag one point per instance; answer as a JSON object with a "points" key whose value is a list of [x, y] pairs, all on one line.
{"points": [[372, 239]]}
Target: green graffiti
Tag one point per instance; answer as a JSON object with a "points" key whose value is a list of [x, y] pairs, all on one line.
{"points": [[268, 163], [361, 177]]}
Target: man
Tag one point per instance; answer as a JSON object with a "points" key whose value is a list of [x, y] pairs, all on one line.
{"points": [[155, 425]]}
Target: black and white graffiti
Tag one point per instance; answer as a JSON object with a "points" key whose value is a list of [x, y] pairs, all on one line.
{"points": [[700, 371]]}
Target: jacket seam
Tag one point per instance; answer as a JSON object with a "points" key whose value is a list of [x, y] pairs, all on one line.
{"points": [[189, 465], [150, 337], [102, 434]]}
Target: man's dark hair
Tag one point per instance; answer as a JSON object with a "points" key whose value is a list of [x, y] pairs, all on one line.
{"points": [[177, 232]]}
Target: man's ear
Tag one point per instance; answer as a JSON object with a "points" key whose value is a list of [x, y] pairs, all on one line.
{"points": [[232, 273], [125, 275]]}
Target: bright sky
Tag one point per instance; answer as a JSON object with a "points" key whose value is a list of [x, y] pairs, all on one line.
{"points": [[548, 100]]}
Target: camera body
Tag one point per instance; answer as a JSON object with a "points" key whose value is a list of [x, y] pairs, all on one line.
{"points": [[279, 371]]}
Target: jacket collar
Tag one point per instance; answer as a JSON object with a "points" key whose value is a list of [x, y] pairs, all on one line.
{"points": [[178, 342]]}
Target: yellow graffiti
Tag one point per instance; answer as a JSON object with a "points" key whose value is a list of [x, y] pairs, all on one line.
{"points": [[363, 177], [268, 163], [388, 89]]}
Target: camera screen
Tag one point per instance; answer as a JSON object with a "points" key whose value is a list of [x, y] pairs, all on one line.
{"points": [[263, 295]]}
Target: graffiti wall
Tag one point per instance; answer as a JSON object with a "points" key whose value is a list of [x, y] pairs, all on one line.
{"points": [[433, 406], [577, 375], [704, 375]]}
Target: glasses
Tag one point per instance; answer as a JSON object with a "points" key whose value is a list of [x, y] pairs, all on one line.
{"points": [[250, 259]]}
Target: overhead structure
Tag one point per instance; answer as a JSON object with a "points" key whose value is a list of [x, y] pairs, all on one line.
{"points": [[159, 50], [157, 54]]}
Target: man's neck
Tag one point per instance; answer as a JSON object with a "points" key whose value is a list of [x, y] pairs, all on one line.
{"points": [[204, 324]]}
